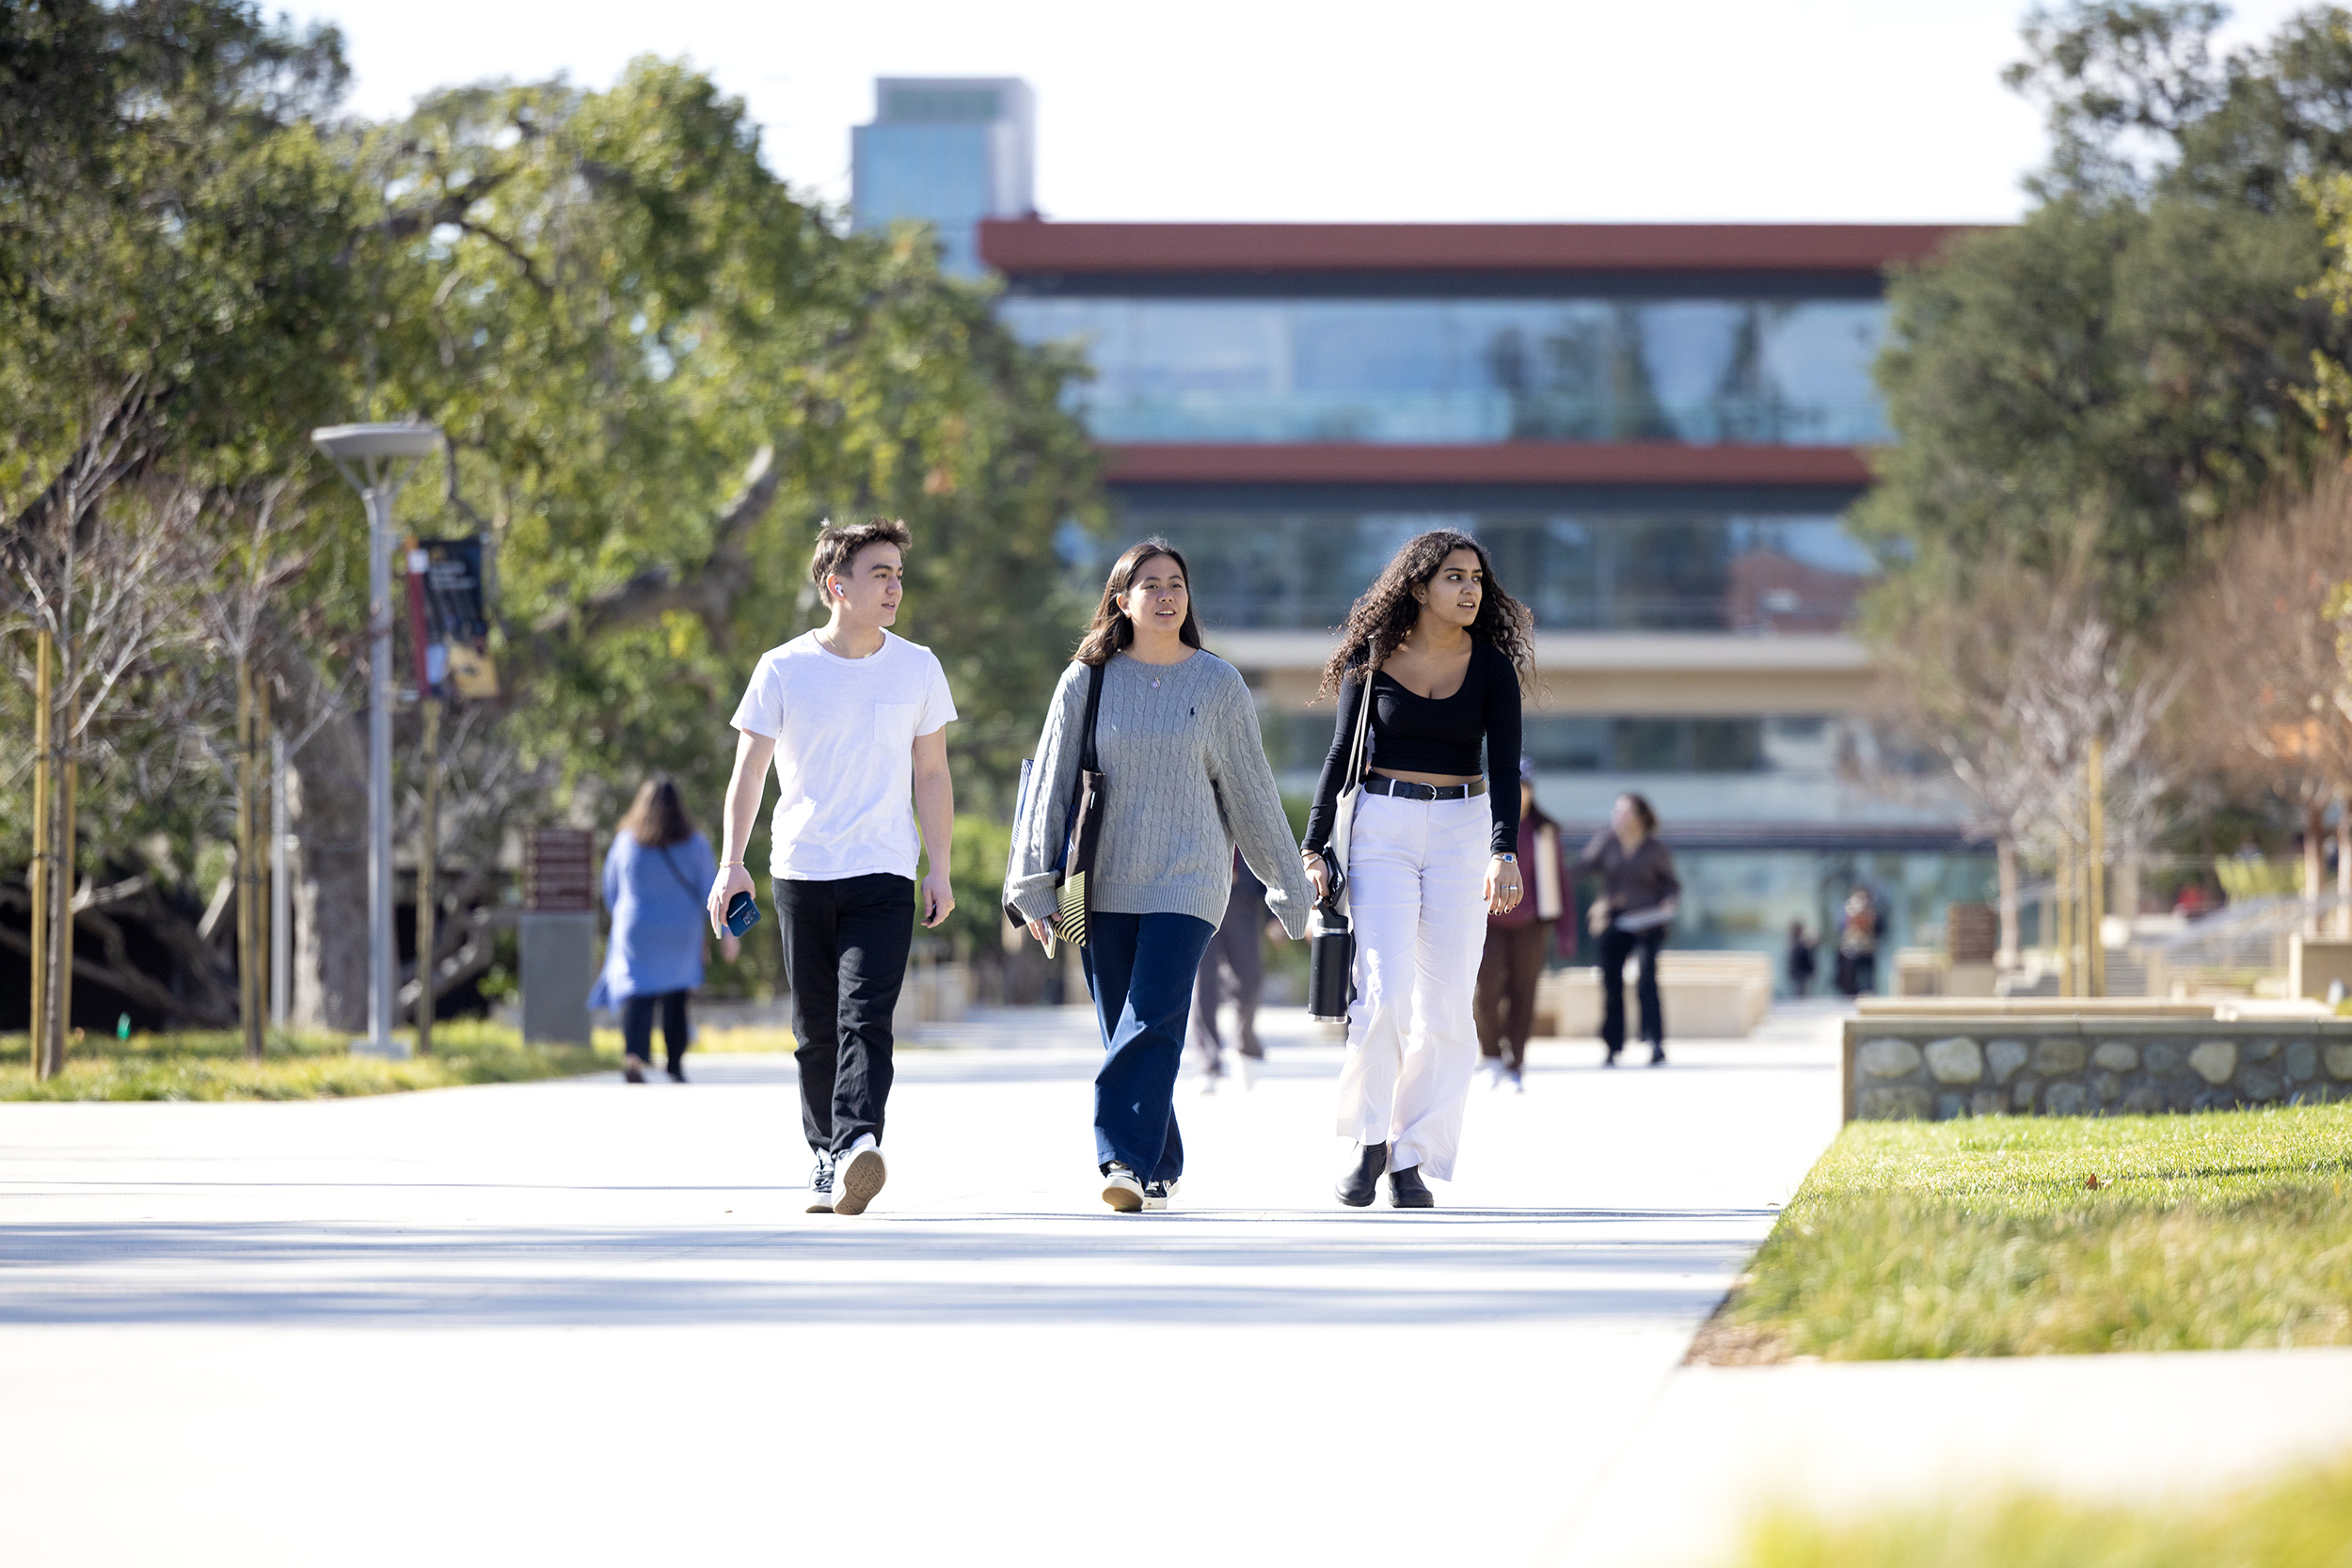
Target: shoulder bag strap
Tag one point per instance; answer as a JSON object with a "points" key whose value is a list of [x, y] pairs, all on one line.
{"points": [[1087, 761], [690, 888], [1359, 753]]}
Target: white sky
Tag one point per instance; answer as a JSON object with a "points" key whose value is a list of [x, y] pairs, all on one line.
{"points": [[1441, 110]]}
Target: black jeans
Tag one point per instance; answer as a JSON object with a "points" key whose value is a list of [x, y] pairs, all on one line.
{"points": [[1615, 946], [1238, 945], [1508, 973], [845, 957], [637, 1026]]}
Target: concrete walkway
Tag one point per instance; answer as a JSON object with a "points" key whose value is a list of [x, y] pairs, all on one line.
{"points": [[583, 1323]]}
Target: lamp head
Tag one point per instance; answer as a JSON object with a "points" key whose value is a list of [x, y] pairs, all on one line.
{"points": [[348, 443], [375, 457]]}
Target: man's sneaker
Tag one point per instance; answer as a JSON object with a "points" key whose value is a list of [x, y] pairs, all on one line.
{"points": [[1156, 1193], [1519, 1085], [1120, 1189], [821, 1186], [859, 1178]]}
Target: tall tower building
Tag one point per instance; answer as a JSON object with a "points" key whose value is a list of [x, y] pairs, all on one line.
{"points": [[948, 151]]}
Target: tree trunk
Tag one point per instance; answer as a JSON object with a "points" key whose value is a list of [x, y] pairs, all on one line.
{"points": [[327, 805], [2343, 866], [2005, 858], [2315, 887]]}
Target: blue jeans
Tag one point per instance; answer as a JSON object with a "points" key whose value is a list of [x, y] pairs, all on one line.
{"points": [[1140, 968]]}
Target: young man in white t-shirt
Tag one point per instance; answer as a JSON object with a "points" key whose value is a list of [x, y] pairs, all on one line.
{"points": [[855, 721]]}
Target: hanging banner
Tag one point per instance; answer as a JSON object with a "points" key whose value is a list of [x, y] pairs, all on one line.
{"points": [[445, 584]]}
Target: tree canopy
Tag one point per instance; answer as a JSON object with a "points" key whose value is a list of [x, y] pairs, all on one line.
{"points": [[658, 368], [2138, 352]]}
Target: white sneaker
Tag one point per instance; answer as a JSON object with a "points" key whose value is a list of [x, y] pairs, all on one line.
{"points": [[1519, 1085], [820, 1185], [1250, 1066], [861, 1176], [1156, 1193], [1120, 1189]]}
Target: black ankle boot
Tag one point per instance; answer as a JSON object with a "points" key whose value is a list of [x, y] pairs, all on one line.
{"points": [[1361, 1182], [1406, 1189], [1658, 1053]]}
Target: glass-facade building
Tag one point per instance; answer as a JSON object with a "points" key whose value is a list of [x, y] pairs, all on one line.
{"points": [[948, 152], [1470, 370], [1655, 430]]}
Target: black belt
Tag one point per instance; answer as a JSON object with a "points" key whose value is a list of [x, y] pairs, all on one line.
{"points": [[1405, 789]]}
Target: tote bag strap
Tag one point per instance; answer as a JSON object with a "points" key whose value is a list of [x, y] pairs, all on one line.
{"points": [[1360, 751], [1087, 761]]}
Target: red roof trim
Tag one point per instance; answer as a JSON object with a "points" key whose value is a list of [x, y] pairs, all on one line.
{"points": [[1031, 245], [1507, 462]]}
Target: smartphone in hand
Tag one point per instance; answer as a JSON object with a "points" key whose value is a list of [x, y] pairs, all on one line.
{"points": [[742, 913]]}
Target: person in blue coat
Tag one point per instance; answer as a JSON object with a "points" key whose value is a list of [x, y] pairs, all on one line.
{"points": [[653, 879]]}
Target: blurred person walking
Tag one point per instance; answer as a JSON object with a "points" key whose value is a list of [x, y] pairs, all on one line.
{"points": [[1518, 943], [1639, 895], [1858, 944], [1432, 659], [653, 876], [1803, 959], [1236, 949], [854, 718], [1184, 781]]}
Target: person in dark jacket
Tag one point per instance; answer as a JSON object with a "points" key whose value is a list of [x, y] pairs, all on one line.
{"points": [[1858, 944], [1801, 958], [1639, 895], [653, 879], [1520, 941]]}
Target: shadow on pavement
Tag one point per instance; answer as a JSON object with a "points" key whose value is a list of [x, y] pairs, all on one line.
{"points": [[1193, 1268]]}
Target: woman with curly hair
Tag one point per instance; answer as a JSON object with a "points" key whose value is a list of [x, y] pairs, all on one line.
{"points": [[1440, 652]]}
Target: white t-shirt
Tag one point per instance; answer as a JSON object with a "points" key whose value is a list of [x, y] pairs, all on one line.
{"points": [[845, 731]]}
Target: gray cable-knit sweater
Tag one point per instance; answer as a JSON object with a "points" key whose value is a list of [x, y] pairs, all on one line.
{"points": [[1185, 782]]}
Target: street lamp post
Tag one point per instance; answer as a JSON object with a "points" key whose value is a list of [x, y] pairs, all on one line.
{"points": [[375, 459]]}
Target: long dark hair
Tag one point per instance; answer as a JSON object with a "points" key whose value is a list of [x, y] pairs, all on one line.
{"points": [[657, 818], [1376, 626], [1111, 630], [1643, 809]]}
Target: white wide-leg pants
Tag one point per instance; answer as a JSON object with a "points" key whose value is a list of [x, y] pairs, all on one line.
{"points": [[1416, 872]]}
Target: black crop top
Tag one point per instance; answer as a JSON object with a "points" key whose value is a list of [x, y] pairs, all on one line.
{"points": [[1433, 734]]}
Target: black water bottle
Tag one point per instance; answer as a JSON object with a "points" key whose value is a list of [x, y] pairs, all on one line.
{"points": [[1331, 966]]}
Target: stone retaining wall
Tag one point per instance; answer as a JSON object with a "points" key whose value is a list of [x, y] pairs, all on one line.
{"points": [[1936, 1068]]}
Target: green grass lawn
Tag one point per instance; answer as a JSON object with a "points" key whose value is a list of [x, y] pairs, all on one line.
{"points": [[2304, 1521], [205, 1065], [1986, 1237]]}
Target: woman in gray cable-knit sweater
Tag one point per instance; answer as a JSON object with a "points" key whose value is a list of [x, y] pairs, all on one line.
{"points": [[1185, 782]]}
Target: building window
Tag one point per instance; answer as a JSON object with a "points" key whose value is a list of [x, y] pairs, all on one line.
{"points": [[1300, 569], [1633, 743], [1698, 371]]}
